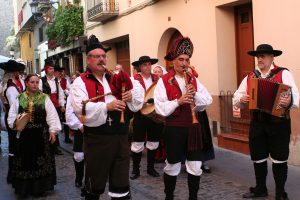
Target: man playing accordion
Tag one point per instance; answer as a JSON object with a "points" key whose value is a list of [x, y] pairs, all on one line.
{"points": [[269, 135]]}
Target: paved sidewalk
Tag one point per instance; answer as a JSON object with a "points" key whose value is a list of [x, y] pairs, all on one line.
{"points": [[232, 175]]}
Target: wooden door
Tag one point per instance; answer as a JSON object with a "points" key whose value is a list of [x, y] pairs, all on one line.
{"points": [[244, 38], [123, 55]]}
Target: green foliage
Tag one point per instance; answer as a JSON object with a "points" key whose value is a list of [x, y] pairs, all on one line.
{"points": [[67, 25]]}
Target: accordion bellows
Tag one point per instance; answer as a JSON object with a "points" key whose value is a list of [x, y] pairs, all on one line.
{"points": [[265, 95]]}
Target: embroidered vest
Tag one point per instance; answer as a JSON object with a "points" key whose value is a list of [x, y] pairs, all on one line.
{"points": [[139, 77], [275, 75], [63, 83], [93, 86], [47, 90], [182, 115]]}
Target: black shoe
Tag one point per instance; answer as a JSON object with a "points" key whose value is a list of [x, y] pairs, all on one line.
{"points": [[135, 175], [58, 152], [284, 196], [206, 169], [78, 184], [253, 194], [68, 140], [83, 192], [152, 172]]}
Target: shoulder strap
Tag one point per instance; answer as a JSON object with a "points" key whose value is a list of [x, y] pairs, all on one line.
{"points": [[275, 71]]}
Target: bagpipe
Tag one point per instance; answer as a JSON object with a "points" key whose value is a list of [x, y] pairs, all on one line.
{"points": [[118, 83]]}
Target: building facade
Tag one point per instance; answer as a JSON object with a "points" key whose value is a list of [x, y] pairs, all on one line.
{"points": [[6, 24], [222, 32]]}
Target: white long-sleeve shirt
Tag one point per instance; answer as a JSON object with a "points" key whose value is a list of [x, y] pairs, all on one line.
{"points": [[287, 78], [52, 118], [51, 82], [165, 107], [96, 112], [71, 119], [12, 92]]}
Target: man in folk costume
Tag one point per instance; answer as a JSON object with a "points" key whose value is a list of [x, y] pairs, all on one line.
{"points": [[269, 135], [143, 125], [51, 86], [173, 98], [65, 86], [99, 98], [12, 86]]}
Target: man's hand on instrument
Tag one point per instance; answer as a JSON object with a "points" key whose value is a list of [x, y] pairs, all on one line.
{"points": [[52, 137], [245, 98], [116, 105], [186, 98], [285, 100], [190, 89], [127, 96]]}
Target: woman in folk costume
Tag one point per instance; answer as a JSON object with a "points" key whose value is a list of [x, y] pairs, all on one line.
{"points": [[12, 86], [174, 96], [34, 164]]}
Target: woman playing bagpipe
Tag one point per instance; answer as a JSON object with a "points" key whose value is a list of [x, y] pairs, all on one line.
{"points": [[34, 164]]}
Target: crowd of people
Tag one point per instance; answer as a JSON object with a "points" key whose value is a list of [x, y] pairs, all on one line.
{"points": [[99, 106]]}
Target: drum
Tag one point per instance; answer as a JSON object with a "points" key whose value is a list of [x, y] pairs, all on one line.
{"points": [[148, 109], [22, 120]]}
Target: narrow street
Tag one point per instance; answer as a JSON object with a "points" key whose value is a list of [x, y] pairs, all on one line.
{"points": [[232, 175]]}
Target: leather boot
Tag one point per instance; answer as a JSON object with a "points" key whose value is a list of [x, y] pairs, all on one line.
{"points": [[9, 177], [260, 190], [280, 175], [136, 159], [79, 169], [89, 196], [193, 183], [170, 184], [66, 132], [150, 163]]}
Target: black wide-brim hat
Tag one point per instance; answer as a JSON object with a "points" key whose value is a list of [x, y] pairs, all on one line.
{"points": [[144, 59], [12, 66], [265, 49], [58, 68]]}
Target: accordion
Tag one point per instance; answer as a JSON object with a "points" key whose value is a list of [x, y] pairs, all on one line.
{"points": [[265, 95]]}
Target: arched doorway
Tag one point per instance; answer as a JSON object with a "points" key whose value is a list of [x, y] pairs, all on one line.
{"points": [[165, 44], [176, 34]]}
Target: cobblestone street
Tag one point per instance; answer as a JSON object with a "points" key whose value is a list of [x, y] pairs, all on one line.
{"points": [[219, 185]]}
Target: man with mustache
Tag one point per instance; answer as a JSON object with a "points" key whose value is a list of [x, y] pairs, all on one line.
{"points": [[105, 137], [269, 135]]}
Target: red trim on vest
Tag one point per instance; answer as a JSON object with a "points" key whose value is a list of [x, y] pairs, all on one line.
{"points": [[139, 77], [54, 99], [182, 115], [277, 77], [94, 88], [63, 83]]}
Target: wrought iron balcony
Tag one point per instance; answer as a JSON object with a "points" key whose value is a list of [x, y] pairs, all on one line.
{"points": [[103, 11]]}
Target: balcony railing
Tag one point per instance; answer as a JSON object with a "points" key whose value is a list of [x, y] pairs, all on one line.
{"points": [[103, 11]]}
